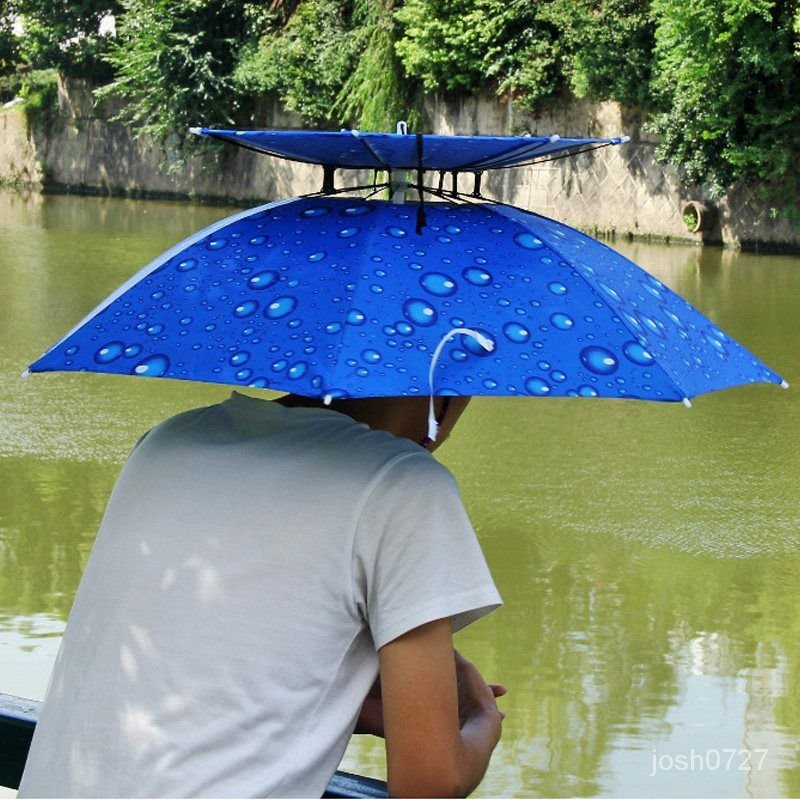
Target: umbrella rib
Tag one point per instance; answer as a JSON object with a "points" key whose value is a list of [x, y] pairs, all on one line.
{"points": [[562, 155], [259, 148], [381, 164], [496, 161], [371, 189], [499, 161]]}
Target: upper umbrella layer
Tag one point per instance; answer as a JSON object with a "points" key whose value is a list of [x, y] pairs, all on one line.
{"points": [[342, 297], [386, 151]]}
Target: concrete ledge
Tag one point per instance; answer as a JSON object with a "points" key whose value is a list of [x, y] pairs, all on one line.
{"points": [[616, 191]]}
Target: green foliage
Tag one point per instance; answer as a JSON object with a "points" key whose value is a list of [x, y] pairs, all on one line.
{"points": [[173, 64], [39, 90], [727, 85], [332, 62], [444, 42], [523, 56], [606, 47], [64, 35], [376, 94], [305, 63], [9, 44], [530, 51], [456, 45]]}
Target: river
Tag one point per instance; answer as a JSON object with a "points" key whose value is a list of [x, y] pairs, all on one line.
{"points": [[647, 553]]}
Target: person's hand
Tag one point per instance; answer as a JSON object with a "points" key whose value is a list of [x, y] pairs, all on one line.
{"points": [[475, 696], [370, 720]]}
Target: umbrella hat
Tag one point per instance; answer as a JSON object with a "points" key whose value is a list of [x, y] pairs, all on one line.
{"points": [[403, 151], [332, 296]]}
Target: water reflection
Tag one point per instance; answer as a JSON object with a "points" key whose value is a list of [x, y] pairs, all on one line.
{"points": [[647, 553]]}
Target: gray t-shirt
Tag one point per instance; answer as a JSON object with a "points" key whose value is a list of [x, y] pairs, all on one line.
{"points": [[252, 560]]}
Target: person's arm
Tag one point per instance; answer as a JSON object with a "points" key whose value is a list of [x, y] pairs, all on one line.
{"points": [[440, 718]]}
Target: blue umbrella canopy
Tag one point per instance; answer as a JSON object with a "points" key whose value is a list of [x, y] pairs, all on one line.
{"points": [[333, 296], [398, 151]]}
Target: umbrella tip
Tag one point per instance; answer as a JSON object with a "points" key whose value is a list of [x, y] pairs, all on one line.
{"points": [[196, 130], [687, 402], [402, 127], [784, 385]]}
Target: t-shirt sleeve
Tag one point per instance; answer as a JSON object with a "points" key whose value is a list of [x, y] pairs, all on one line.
{"points": [[416, 556]]}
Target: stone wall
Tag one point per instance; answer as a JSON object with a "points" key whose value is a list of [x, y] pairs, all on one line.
{"points": [[613, 191]]}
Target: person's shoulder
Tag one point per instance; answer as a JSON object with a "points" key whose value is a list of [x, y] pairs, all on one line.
{"points": [[178, 424], [406, 463]]}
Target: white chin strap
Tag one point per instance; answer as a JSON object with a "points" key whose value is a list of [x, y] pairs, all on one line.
{"points": [[483, 341]]}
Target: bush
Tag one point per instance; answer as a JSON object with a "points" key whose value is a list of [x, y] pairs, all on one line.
{"points": [[306, 62], [64, 35], [173, 64], [39, 90], [728, 91], [530, 52], [606, 47]]}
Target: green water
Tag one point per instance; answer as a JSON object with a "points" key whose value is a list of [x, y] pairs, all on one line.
{"points": [[648, 554]]}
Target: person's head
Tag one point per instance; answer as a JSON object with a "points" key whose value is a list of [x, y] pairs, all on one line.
{"points": [[402, 416], [407, 416]]}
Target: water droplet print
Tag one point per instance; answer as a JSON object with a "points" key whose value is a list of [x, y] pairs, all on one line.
{"points": [[516, 333], [154, 366], [420, 312], [297, 371], [634, 352], [599, 360], [316, 211], [237, 359], [562, 321], [477, 276], [246, 309], [356, 317], [371, 356], [438, 284], [283, 298], [109, 352], [537, 387], [263, 280], [280, 307], [528, 241]]}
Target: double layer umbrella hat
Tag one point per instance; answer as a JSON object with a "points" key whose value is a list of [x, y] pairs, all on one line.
{"points": [[353, 296]]}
